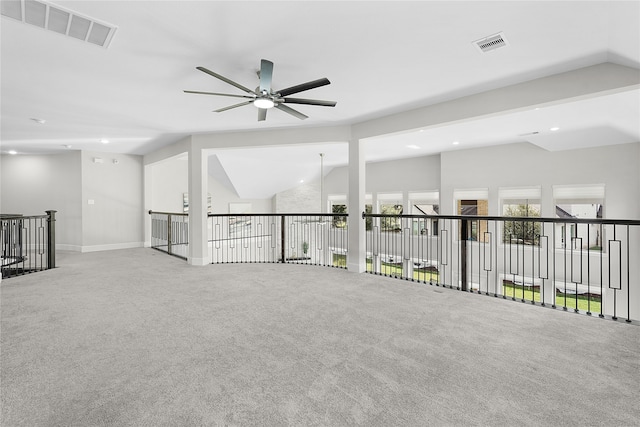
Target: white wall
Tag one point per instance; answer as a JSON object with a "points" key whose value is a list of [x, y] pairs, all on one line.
{"points": [[113, 220], [35, 183], [170, 180], [221, 196], [304, 198], [524, 164], [66, 182], [394, 176], [513, 165]]}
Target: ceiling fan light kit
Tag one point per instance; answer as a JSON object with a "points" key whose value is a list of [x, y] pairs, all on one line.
{"points": [[264, 97], [264, 103]]}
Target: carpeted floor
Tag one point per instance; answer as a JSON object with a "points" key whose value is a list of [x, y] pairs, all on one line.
{"points": [[138, 338]]}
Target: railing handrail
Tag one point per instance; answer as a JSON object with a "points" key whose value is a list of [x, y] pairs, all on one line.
{"points": [[279, 214], [28, 242], [169, 213], [510, 218], [18, 216]]}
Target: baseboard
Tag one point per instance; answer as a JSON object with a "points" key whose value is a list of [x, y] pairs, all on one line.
{"points": [[73, 248], [111, 247], [356, 267], [198, 261]]}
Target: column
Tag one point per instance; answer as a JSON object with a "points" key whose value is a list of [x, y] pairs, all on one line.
{"points": [[407, 250], [355, 207], [198, 242], [148, 203]]}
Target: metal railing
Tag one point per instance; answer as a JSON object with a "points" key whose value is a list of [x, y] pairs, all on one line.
{"points": [[584, 265], [170, 233], [316, 239], [28, 243]]}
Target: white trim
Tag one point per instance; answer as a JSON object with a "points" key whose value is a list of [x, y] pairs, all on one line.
{"points": [[198, 261], [389, 197], [111, 247], [519, 193], [63, 247], [572, 192], [471, 194], [432, 197]]}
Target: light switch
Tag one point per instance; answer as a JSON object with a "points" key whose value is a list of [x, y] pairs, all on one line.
{"points": [[91, 202]]}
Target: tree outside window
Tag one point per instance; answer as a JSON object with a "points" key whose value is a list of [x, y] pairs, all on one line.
{"points": [[522, 232], [339, 221], [392, 223]]}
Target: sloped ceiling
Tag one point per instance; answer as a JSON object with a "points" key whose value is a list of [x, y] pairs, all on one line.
{"points": [[381, 57]]}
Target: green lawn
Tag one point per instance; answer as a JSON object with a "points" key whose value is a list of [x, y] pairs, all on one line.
{"points": [[339, 260], [510, 290], [395, 270], [516, 291]]}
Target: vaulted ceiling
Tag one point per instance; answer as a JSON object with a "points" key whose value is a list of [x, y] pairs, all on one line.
{"points": [[381, 57]]}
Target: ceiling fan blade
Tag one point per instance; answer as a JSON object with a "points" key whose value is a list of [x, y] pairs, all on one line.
{"points": [[219, 94], [310, 102], [266, 72], [262, 114], [232, 106], [224, 79], [291, 111], [304, 86]]}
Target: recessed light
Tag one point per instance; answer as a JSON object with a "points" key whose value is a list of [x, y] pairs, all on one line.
{"points": [[553, 129], [13, 152], [413, 147], [536, 109], [301, 181], [456, 142], [39, 121], [104, 141]]}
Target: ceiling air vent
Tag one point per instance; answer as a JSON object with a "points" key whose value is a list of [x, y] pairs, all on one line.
{"points": [[493, 42], [59, 20]]}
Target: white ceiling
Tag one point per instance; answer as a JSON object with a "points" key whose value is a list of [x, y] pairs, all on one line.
{"points": [[381, 57]]}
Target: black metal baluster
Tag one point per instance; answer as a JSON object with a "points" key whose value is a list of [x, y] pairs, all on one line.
{"points": [[628, 277], [601, 315]]}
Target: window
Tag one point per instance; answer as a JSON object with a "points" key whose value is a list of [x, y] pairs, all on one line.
{"points": [[391, 223], [424, 203], [339, 221], [585, 201], [521, 202], [474, 201], [338, 204], [390, 204]]}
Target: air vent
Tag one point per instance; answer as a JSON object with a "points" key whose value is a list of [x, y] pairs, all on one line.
{"points": [[59, 20], [489, 43]]}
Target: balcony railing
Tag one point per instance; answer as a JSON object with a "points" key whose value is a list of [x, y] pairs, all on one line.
{"points": [[28, 243], [584, 265], [316, 239], [170, 233]]}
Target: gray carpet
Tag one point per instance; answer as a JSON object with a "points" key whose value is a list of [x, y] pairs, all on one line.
{"points": [[138, 338]]}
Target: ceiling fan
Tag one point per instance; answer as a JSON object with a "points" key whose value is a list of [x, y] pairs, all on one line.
{"points": [[264, 97]]}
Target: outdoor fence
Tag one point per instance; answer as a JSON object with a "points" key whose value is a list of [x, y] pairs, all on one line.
{"points": [[170, 233], [316, 239], [28, 243], [584, 265]]}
